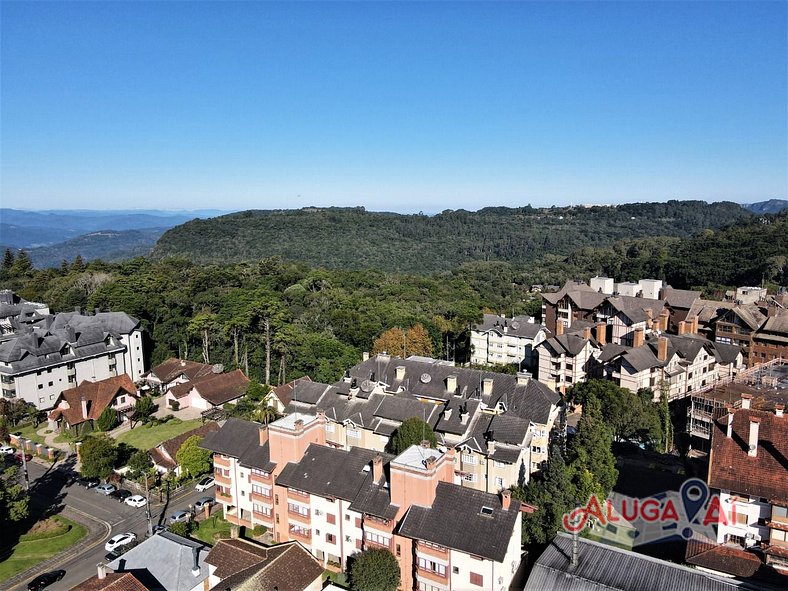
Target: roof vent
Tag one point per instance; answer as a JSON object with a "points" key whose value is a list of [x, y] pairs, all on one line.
{"points": [[367, 386], [487, 511], [515, 325], [425, 378], [366, 468]]}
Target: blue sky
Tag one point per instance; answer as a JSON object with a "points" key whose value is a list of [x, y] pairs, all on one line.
{"points": [[394, 106]]}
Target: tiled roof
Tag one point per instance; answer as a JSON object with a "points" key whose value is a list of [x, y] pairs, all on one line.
{"points": [[566, 344], [635, 308], [601, 566], [98, 396], [111, 582], [725, 559], [173, 368], [732, 469], [679, 298], [519, 326], [750, 314], [455, 521], [284, 393], [171, 446], [240, 439], [221, 388], [233, 555], [777, 324], [708, 310]]}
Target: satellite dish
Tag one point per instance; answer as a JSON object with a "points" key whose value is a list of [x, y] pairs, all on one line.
{"points": [[425, 378], [366, 386], [515, 325]]}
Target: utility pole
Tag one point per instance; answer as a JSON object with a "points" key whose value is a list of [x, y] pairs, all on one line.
{"points": [[147, 506], [24, 463]]}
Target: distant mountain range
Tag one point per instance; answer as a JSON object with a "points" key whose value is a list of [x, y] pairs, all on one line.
{"points": [[770, 206]]}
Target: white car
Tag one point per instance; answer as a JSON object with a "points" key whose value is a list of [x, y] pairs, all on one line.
{"points": [[205, 483], [105, 489], [7, 450], [136, 501], [119, 540]]}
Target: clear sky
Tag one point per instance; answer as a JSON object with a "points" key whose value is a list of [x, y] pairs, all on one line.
{"points": [[394, 106]]}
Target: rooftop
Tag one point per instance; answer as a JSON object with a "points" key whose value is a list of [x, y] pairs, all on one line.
{"points": [[416, 457]]}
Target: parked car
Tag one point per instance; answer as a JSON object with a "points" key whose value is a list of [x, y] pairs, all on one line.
{"points": [[121, 494], [88, 482], [180, 517], [203, 502], [205, 483], [119, 540], [7, 450], [18, 457], [45, 580], [105, 489], [119, 551], [136, 501], [157, 529]]}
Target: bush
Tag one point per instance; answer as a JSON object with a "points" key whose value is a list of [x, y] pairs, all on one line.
{"points": [[175, 405]]}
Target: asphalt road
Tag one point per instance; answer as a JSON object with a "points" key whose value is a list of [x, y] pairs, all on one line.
{"points": [[49, 487]]}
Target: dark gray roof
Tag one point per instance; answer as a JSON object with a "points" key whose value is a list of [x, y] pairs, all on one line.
{"points": [[240, 439], [679, 298], [533, 402], [374, 498], [455, 521], [330, 472], [506, 453], [635, 308], [566, 344], [520, 326], [116, 323], [601, 566]]}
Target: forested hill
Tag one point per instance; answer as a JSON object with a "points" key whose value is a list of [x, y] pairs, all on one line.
{"points": [[353, 238]]}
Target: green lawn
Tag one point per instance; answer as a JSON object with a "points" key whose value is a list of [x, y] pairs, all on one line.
{"points": [[29, 432], [28, 553], [143, 437], [213, 525]]}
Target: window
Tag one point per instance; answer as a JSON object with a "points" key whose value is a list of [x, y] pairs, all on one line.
{"points": [[330, 518], [477, 579], [353, 434], [261, 490], [455, 570], [50, 384], [468, 458], [41, 386], [347, 517], [331, 539], [376, 538], [499, 482], [499, 464], [399, 551], [298, 509], [432, 566], [261, 509], [469, 477], [329, 427]]}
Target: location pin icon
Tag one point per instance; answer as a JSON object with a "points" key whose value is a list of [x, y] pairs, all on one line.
{"points": [[693, 496]]}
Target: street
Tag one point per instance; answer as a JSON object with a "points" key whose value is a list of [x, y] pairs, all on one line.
{"points": [[48, 487]]}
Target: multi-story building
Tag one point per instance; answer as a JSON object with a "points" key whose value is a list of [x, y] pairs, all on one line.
{"points": [[574, 301], [737, 326], [336, 502], [747, 468], [16, 312], [508, 341], [568, 358], [63, 350], [770, 341]]}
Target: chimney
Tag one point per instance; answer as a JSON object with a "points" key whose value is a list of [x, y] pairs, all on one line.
{"points": [[662, 349], [523, 378], [601, 334], [84, 407], [506, 499], [490, 447], [101, 569], [559, 328], [682, 328], [573, 560], [263, 432], [451, 384], [663, 320], [430, 462], [400, 372], [694, 327], [729, 432], [447, 414], [365, 356], [298, 425], [377, 469], [778, 410], [196, 562], [649, 315], [587, 333], [755, 423], [425, 444], [745, 401], [640, 337], [487, 386]]}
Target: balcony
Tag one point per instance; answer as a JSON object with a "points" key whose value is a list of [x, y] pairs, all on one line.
{"points": [[298, 517], [220, 479], [432, 550], [220, 462], [431, 575], [254, 477], [223, 497], [262, 498], [301, 534]]}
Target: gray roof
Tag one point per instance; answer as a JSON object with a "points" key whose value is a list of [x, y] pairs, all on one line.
{"points": [[455, 521], [165, 561], [520, 326], [679, 298], [601, 566], [566, 344], [330, 472], [240, 439], [635, 308]]}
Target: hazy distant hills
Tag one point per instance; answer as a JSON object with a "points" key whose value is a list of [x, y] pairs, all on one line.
{"points": [[53, 235], [353, 238], [770, 206]]}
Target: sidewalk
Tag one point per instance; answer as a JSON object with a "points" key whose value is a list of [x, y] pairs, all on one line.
{"points": [[49, 440], [98, 531]]}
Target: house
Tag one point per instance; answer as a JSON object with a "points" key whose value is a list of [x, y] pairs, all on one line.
{"points": [[109, 581], [177, 371], [678, 302], [624, 315], [574, 301], [78, 408], [208, 391], [16, 312], [748, 467], [238, 564], [770, 341], [584, 565], [281, 396], [501, 340], [167, 562], [568, 358], [164, 455], [59, 351], [737, 326], [336, 502]]}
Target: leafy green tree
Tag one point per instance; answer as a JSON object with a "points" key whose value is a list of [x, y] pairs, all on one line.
{"points": [[98, 454], [107, 420], [591, 454], [256, 392], [193, 459], [139, 462], [375, 569], [14, 501], [181, 528], [144, 408], [412, 431]]}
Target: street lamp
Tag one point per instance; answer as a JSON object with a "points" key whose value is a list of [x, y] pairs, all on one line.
{"points": [[22, 442]]}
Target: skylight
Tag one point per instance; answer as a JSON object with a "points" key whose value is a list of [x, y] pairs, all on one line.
{"points": [[486, 511]]}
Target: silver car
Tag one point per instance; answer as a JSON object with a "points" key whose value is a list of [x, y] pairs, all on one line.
{"points": [[180, 517], [105, 489], [202, 503]]}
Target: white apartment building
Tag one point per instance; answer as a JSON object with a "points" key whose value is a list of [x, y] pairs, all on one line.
{"points": [[501, 340]]}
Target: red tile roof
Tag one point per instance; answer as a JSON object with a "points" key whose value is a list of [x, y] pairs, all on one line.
{"points": [[731, 469], [98, 395], [220, 388], [173, 368], [724, 559], [171, 446], [285, 392], [111, 582]]}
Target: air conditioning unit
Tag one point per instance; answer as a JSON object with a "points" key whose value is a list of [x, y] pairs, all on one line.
{"points": [[318, 512]]}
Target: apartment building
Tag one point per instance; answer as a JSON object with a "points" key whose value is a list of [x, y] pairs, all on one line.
{"points": [[60, 351], [574, 301], [568, 358], [771, 340], [737, 325], [508, 341], [747, 468], [336, 502], [17, 312], [365, 408]]}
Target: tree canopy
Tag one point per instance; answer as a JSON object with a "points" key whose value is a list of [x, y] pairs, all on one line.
{"points": [[374, 569], [98, 454], [193, 459], [412, 431], [14, 501], [107, 419]]}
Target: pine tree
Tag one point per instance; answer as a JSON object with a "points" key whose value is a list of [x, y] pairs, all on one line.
{"points": [[8, 259]]}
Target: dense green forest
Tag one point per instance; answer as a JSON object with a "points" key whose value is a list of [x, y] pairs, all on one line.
{"points": [[358, 239], [321, 320]]}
